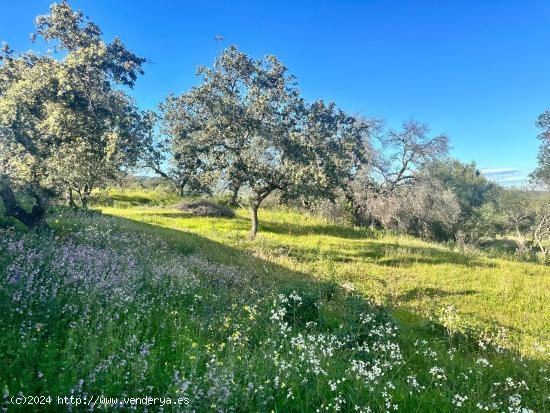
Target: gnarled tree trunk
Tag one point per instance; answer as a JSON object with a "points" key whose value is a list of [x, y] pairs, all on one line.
{"points": [[542, 231], [356, 213], [35, 220], [84, 196], [255, 203], [521, 243]]}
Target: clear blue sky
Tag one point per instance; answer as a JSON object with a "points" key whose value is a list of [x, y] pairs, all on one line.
{"points": [[475, 70]]}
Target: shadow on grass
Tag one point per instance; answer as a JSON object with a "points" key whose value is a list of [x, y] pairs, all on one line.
{"points": [[386, 254], [332, 230], [270, 277], [180, 215], [131, 199], [415, 293], [504, 245], [410, 255], [266, 277], [380, 253]]}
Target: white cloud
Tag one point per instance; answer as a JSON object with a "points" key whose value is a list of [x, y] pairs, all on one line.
{"points": [[507, 176], [497, 170]]}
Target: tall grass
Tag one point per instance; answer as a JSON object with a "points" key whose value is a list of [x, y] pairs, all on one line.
{"points": [[310, 316]]}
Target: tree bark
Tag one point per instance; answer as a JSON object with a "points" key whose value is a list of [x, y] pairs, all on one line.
{"points": [[539, 234], [356, 217], [70, 199], [35, 220], [85, 196], [254, 220], [234, 195], [522, 246], [255, 202]]}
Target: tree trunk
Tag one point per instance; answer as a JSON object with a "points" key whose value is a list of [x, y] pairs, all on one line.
{"points": [[85, 195], [80, 196], [84, 200], [522, 246], [539, 234], [356, 216], [255, 202], [254, 220], [234, 195], [70, 199], [35, 220], [541, 247]]}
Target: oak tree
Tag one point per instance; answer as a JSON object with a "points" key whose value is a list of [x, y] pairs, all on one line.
{"points": [[65, 123]]}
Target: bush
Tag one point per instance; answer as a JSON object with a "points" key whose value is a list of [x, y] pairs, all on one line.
{"points": [[204, 208]]}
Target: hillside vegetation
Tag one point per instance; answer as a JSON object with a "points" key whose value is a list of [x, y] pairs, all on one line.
{"points": [[148, 300], [241, 247]]}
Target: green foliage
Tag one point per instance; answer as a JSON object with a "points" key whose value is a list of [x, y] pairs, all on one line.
{"points": [[167, 299], [64, 124], [335, 146], [541, 175], [246, 125], [472, 190], [526, 214]]}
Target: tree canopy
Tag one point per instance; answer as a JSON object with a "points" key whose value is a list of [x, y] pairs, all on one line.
{"points": [[68, 125], [64, 124], [541, 175], [246, 125]]}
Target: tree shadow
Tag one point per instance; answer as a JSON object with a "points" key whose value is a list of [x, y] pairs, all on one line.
{"points": [[418, 292], [332, 230], [386, 254], [120, 199], [407, 262], [407, 256], [504, 245], [380, 253], [266, 274], [265, 277], [179, 215]]}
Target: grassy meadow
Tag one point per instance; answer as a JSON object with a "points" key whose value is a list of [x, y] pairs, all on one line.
{"points": [[139, 299]]}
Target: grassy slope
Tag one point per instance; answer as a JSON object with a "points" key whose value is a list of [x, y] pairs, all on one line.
{"points": [[400, 271], [196, 306]]}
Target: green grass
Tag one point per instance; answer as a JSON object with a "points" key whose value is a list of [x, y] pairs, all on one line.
{"points": [[183, 305], [121, 198], [398, 271]]}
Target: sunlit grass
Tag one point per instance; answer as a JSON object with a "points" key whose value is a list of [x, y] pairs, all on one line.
{"points": [[396, 270], [145, 300], [123, 197]]}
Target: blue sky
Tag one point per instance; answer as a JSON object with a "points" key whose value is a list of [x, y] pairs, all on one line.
{"points": [[475, 70]]}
